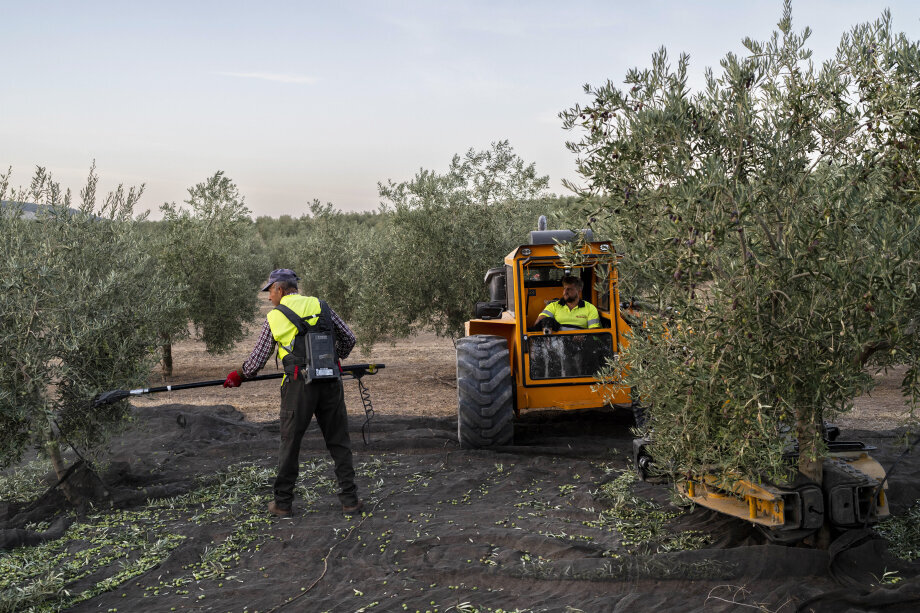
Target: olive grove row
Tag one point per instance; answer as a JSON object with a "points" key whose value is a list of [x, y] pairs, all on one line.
{"points": [[94, 295], [771, 218]]}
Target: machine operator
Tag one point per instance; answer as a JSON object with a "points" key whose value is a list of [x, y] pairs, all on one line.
{"points": [[570, 312]]}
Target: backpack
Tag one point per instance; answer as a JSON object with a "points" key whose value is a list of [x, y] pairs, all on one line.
{"points": [[312, 352]]}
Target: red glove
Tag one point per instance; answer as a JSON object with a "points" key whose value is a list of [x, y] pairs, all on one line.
{"points": [[234, 379]]}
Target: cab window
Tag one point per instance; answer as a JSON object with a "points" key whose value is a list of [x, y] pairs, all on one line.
{"points": [[543, 276]]}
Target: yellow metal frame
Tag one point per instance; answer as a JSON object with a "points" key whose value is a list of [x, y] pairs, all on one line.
{"points": [[760, 504], [764, 504]]}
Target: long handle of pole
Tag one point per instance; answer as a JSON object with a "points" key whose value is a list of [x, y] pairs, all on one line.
{"points": [[355, 370], [186, 386]]}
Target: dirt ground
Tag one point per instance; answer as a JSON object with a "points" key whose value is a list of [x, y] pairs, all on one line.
{"points": [[554, 523]]}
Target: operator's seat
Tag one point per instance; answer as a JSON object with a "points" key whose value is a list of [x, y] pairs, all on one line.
{"points": [[538, 301]]}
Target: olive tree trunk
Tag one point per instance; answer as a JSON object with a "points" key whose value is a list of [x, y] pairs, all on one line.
{"points": [[809, 433], [167, 361]]}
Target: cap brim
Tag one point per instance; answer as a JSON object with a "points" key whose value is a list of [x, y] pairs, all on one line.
{"points": [[265, 289]]}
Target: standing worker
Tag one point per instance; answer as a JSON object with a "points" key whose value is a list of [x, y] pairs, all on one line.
{"points": [[299, 399]]}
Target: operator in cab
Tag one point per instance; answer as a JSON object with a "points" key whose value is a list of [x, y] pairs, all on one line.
{"points": [[570, 312]]}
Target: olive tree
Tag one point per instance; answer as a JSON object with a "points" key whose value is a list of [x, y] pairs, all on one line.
{"points": [[773, 220], [80, 309], [210, 254], [325, 253], [447, 230]]}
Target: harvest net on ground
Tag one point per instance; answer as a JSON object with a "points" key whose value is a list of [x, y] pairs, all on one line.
{"points": [[555, 523]]}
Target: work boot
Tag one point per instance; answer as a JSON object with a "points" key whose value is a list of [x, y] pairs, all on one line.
{"points": [[277, 511], [354, 509]]}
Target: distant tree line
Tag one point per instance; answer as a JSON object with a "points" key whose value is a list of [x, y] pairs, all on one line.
{"points": [[419, 261]]}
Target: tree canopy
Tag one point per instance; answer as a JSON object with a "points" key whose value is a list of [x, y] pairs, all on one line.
{"points": [[448, 229], [210, 253], [80, 308], [773, 221]]}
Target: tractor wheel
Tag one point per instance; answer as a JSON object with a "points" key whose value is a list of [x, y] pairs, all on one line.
{"points": [[485, 408]]}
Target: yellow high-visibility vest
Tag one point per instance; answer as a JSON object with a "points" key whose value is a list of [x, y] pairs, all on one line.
{"points": [[583, 316], [283, 330]]}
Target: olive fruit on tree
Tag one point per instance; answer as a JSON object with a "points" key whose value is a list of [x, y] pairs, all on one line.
{"points": [[773, 218]]}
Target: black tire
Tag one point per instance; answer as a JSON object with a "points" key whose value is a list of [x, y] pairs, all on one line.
{"points": [[485, 403]]}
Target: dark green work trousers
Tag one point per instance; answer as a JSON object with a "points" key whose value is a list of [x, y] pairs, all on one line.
{"points": [[299, 403]]}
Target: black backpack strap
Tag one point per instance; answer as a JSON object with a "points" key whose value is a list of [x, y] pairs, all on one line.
{"points": [[325, 318]]}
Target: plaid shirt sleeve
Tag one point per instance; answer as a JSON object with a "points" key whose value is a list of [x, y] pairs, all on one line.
{"points": [[344, 337], [259, 355]]}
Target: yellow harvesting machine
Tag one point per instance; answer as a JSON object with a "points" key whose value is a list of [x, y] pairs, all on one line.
{"points": [[506, 365]]}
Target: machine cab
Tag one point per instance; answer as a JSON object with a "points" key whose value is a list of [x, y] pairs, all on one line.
{"points": [[554, 369], [562, 352]]}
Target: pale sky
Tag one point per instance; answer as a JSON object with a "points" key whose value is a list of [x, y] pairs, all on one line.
{"points": [[304, 100]]}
